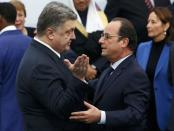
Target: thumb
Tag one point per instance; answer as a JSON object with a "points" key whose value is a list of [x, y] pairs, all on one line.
{"points": [[88, 105], [67, 63]]}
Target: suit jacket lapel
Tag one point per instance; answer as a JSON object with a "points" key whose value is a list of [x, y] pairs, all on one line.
{"points": [[100, 81], [164, 56], [52, 56], [117, 72], [143, 55]]}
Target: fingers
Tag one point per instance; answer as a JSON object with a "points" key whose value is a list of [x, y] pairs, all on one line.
{"points": [[68, 63], [81, 66], [91, 73], [88, 105], [77, 115]]}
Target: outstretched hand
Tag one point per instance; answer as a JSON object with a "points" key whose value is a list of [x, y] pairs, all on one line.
{"points": [[80, 66], [91, 115]]}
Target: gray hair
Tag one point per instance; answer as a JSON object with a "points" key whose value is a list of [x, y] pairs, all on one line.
{"points": [[54, 15]]}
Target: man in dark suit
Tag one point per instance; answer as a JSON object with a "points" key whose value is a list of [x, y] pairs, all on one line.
{"points": [[135, 11], [171, 125], [121, 97], [47, 90], [12, 47]]}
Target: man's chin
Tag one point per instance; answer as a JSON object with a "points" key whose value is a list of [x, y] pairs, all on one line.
{"points": [[103, 53], [67, 48]]}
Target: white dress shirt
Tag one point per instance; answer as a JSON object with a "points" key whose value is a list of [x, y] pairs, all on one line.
{"points": [[48, 46], [8, 28]]}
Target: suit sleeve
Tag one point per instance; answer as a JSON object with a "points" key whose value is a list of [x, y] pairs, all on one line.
{"points": [[136, 99], [59, 96]]}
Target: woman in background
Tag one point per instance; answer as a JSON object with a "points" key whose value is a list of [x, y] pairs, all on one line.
{"points": [[153, 56], [20, 18]]}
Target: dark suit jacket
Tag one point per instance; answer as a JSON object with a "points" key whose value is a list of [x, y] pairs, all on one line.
{"points": [[166, 3], [135, 11], [171, 122], [124, 97], [12, 47], [47, 91], [30, 31]]}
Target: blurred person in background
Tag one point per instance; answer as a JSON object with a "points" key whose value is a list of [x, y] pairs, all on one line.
{"points": [[163, 3], [12, 47], [171, 62], [153, 56], [136, 12], [20, 19]]}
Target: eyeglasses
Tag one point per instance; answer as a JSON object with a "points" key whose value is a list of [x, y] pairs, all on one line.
{"points": [[107, 36]]}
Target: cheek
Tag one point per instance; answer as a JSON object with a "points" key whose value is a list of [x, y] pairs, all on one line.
{"points": [[62, 41], [155, 31]]}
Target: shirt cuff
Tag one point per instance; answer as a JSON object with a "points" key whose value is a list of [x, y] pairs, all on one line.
{"points": [[103, 118]]}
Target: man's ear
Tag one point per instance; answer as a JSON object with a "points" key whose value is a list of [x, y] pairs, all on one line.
{"points": [[50, 33], [125, 42]]}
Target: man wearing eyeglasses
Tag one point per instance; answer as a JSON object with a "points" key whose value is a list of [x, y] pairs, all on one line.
{"points": [[120, 99]]}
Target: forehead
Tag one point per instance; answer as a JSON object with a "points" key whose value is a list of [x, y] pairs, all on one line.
{"points": [[113, 27], [153, 16], [68, 25]]}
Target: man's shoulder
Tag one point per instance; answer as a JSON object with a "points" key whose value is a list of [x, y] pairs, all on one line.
{"points": [[14, 37]]}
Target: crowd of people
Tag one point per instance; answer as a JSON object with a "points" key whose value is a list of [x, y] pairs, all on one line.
{"points": [[86, 69]]}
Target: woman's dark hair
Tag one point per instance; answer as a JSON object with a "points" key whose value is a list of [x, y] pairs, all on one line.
{"points": [[165, 15]]}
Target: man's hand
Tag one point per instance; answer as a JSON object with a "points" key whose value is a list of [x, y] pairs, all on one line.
{"points": [[92, 115], [91, 73], [80, 66]]}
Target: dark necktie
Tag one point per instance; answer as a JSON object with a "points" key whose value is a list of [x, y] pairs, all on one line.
{"points": [[164, 3], [108, 73], [148, 4], [105, 76]]}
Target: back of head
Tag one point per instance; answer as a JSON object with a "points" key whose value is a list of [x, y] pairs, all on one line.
{"points": [[54, 15], [127, 30], [8, 12], [165, 16], [19, 6]]}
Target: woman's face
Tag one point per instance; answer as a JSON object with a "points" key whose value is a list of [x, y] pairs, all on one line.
{"points": [[20, 19], [156, 29], [81, 5]]}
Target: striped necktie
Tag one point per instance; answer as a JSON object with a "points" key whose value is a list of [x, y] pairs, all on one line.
{"points": [[148, 4]]}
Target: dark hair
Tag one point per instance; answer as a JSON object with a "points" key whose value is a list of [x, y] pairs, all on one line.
{"points": [[8, 12], [165, 15], [54, 15], [127, 30]]}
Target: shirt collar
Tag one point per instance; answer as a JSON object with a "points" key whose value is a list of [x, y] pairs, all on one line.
{"points": [[48, 46], [117, 63], [8, 28]]}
